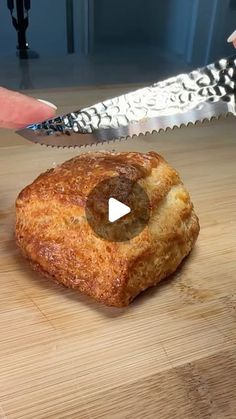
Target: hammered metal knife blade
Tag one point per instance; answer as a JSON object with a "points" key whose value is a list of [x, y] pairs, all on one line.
{"points": [[187, 98]]}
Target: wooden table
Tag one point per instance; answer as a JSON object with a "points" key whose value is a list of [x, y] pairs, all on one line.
{"points": [[172, 353]]}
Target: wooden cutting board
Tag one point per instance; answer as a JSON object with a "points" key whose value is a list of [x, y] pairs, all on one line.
{"points": [[172, 353]]}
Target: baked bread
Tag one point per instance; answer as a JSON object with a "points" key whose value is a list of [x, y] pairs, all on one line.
{"points": [[53, 233]]}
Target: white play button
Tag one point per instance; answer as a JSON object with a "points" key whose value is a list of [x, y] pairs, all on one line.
{"points": [[116, 210], [121, 201]]}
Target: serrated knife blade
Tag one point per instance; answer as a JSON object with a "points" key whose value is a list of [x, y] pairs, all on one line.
{"points": [[204, 93]]}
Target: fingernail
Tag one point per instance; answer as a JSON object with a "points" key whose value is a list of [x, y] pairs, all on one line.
{"points": [[232, 37], [47, 103]]}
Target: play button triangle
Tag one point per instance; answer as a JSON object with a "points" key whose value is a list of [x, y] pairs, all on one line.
{"points": [[116, 210]]}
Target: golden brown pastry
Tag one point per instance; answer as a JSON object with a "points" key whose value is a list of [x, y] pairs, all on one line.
{"points": [[53, 233]]}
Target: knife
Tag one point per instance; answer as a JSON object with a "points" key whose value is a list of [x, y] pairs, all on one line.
{"points": [[200, 95]]}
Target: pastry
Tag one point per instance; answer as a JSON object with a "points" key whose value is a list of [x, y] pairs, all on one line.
{"points": [[54, 235]]}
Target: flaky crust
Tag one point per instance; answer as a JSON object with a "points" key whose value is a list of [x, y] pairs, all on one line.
{"points": [[52, 231]]}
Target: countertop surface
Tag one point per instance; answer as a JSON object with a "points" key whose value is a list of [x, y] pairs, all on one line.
{"points": [[172, 353]]}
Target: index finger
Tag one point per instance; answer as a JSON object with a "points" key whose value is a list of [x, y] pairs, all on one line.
{"points": [[18, 110]]}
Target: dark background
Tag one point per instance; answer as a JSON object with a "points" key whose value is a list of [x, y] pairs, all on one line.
{"points": [[91, 42]]}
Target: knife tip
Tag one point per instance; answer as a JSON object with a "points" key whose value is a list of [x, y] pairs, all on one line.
{"points": [[27, 133]]}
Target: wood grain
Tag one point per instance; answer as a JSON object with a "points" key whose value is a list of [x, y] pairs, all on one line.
{"points": [[172, 353]]}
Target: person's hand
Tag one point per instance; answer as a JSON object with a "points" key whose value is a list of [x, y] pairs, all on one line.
{"points": [[17, 110], [232, 38]]}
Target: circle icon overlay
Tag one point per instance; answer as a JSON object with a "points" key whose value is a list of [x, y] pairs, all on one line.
{"points": [[117, 209]]}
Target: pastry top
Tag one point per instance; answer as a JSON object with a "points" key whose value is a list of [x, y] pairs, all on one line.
{"points": [[52, 230], [71, 182]]}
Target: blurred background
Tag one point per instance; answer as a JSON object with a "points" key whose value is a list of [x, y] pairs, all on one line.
{"points": [[92, 42]]}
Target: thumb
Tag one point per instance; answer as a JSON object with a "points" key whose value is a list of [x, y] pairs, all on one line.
{"points": [[18, 110], [232, 38]]}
